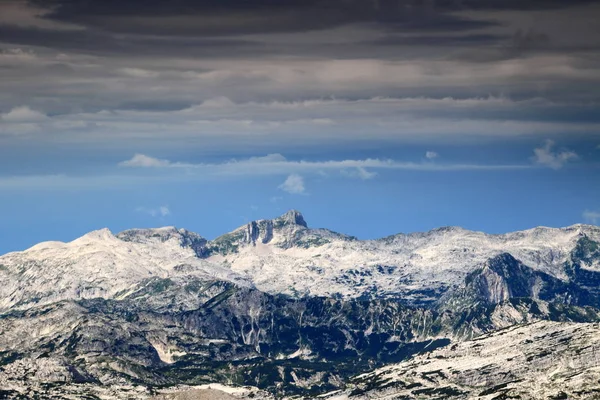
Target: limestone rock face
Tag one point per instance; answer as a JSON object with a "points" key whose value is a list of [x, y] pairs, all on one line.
{"points": [[297, 311], [283, 255], [543, 360]]}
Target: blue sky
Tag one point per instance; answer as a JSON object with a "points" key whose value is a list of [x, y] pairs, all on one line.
{"points": [[382, 201], [371, 121]]}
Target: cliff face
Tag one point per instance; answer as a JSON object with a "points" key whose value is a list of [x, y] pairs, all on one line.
{"points": [[235, 335], [503, 277]]}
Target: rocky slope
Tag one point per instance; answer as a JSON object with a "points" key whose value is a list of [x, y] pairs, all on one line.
{"points": [[234, 335], [275, 305], [543, 360], [284, 256], [101, 264], [190, 332], [418, 267]]}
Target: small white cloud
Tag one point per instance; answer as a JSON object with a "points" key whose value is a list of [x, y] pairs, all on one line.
{"points": [[293, 184], [23, 114], [141, 160], [161, 211], [547, 157], [138, 73], [430, 155], [164, 211], [364, 174], [591, 216], [275, 199], [269, 158], [359, 172], [218, 102]]}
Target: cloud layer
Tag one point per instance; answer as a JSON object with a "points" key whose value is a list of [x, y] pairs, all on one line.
{"points": [[308, 72], [277, 164]]}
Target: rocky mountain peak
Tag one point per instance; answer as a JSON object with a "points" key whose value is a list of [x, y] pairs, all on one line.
{"points": [[292, 217], [280, 231], [182, 237], [503, 277], [100, 234], [502, 263]]}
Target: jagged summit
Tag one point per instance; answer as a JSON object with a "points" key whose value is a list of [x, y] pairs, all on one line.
{"points": [[153, 235], [294, 217], [284, 255], [282, 231], [99, 234], [168, 234]]}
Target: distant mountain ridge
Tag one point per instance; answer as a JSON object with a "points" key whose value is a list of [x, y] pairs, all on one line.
{"points": [[283, 255], [277, 305]]}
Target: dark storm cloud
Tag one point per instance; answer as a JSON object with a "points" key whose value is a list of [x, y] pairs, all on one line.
{"points": [[227, 17], [202, 28], [399, 29], [132, 68], [99, 42], [94, 41], [243, 17], [441, 40]]}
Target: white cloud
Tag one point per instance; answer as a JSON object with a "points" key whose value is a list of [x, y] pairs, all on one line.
{"points": [[218, 102], [23, 114], [144, 161], [273, 157], [430, 155], [294, 184], [161, 211], [22, 120], [364, 174], [591, 216], [138, 73], [164, 210], [277, 164], [359, 172], [546, 156]]}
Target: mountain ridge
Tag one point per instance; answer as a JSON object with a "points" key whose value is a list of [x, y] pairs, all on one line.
{"points": [[283, 255], [302, 222], [275, 304]]}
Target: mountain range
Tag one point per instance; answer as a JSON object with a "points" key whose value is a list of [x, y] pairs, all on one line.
{"points": [[287, 310]]}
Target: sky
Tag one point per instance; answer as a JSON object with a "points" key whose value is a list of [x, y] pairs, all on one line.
{"points": [[370, 117]]}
